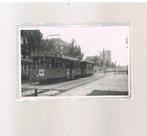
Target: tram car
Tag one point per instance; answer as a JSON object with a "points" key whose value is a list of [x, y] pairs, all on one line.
{"points": [[46, 67], [87, 68]]}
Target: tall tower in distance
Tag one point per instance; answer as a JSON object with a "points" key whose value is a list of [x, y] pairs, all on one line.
{"points": [[105, 55]]}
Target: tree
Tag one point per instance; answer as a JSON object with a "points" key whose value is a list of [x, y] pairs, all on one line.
{"points": [[54, 46], [30, 42], [97, 60], [49, 46], [73, 50]]}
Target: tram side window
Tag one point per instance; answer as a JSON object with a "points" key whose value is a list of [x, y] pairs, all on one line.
{"points": [[48, 62], [40, 62], [58, 63], [63, 64], [35, 62], [45, 62], [67, 65], [90, 66], [44, 65], [77, 65], [53, 62]]}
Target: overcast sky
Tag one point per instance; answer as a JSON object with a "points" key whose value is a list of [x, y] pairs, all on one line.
{"points": [[93, 39]]}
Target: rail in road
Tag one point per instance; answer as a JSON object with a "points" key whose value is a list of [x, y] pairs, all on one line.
{"points": [[58, 88]]}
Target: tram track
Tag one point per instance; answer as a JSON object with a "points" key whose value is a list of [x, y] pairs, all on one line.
{"points": [[65, 86]]}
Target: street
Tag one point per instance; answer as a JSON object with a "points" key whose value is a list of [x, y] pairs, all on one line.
{"points": [[98, 84]]}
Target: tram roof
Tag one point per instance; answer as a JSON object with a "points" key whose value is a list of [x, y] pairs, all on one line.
{"points": [[54, 55], [69, 58], [88, 61]]}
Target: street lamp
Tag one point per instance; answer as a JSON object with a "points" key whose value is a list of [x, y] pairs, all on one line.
{"points": [[104, 61], [126, 41], [58, 48], [53, 35]]}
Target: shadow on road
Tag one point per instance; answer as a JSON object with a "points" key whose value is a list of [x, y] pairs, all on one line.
{"points": [[108, 92], [58, 80]]}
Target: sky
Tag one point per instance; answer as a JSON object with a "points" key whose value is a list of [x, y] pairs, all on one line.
{"points": [[93, 39]]}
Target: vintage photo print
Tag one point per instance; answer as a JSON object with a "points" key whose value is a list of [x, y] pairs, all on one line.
{"points": [[74, 60]]}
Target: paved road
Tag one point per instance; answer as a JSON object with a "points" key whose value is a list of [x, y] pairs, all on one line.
{"points": [[82, 86], [108, 85], [57, 88]]}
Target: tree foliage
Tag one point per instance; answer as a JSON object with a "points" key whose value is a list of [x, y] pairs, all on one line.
{"points": [[73, 50], [98, 61], [32, 41]]}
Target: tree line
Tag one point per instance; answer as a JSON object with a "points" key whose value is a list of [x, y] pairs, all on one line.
{"points": [[98, 61], [32, 41]]}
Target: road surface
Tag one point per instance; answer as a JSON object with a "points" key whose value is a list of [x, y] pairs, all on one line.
{"points": [[98, 84]]}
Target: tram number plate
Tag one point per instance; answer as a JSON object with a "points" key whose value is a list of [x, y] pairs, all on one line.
{"points": [[41, 72]]}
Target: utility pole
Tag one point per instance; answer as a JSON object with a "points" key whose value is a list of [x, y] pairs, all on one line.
{"points": [[115, 68], [104, 61]]}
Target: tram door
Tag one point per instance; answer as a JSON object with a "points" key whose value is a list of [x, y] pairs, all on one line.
{"points": [[70, 70], [83, 68]]}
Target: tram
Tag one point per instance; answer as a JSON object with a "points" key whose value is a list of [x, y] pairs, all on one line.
{"points": [[46, 67]]}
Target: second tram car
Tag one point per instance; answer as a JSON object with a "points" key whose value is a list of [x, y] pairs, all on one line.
{"points": [[46, 67]]}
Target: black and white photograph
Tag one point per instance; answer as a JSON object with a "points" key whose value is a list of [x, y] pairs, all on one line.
{"points": [[75, 60], [73, 68]]}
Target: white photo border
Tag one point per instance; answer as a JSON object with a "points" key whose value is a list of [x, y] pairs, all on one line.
{"points": [[101, 97]]}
